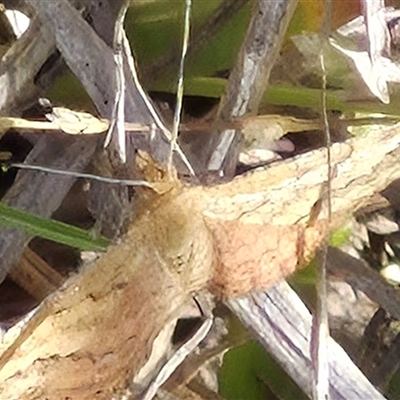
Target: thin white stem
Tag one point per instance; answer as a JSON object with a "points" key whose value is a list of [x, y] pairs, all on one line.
{"points": [[179, 91], [320, 326], [153, 112], [118, 115], [177, 359]]}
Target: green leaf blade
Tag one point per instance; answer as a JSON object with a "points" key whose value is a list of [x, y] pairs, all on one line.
{"points": [[50, 229]]}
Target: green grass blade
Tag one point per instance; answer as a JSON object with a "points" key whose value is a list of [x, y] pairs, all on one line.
{"points": [[50, 229]]}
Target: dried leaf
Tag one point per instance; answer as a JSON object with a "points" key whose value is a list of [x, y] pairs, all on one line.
{"points": [[75, 122], [373, 48]]}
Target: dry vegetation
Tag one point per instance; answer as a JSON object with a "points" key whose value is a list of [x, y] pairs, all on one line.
{"points": [[74, 329]]}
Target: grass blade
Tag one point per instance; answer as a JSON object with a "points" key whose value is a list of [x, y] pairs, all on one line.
{"points": [[50, 229]]}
